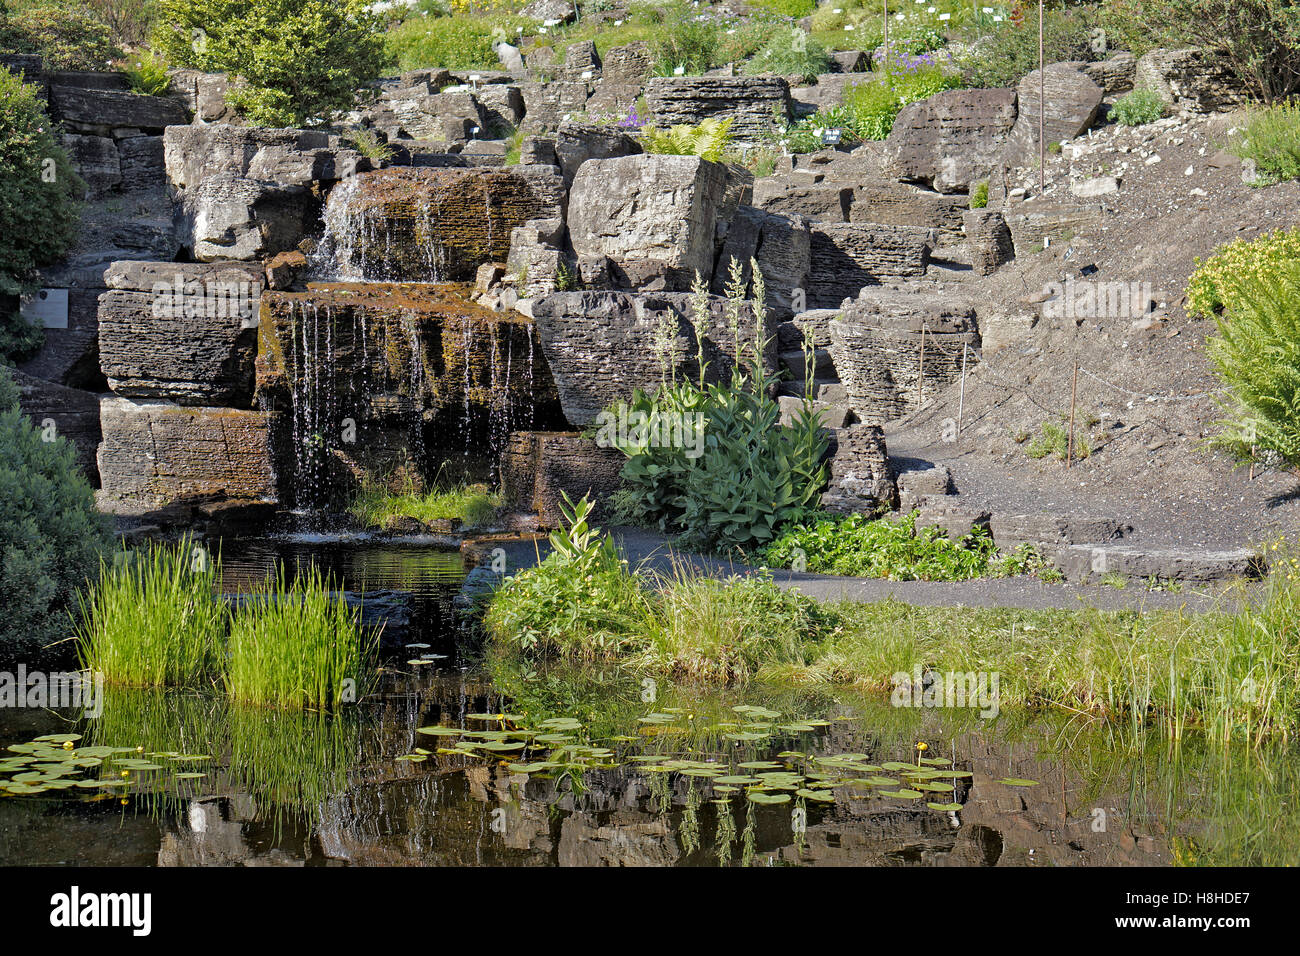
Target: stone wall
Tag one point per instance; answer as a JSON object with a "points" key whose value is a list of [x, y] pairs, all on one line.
{"points": [[537, 468]]}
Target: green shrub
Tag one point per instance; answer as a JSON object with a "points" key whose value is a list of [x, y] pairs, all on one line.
{"points": [[39, 209], [153, 619], [67, 34], [51, 537], [1257, 40], [807, 135], [1007, 53], [1271, 140], [790, 53], [581, 603], [1218, 280], [874, 104], [979, 196], [861, 547], [147, 74], [795, 9], [300, 62], [450, 42], [1257, 355], [370, 145], [709, 139], [298, 645], [130, 20], [1138, 107]]}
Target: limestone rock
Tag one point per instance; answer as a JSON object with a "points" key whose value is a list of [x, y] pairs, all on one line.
{"points": [[847, 257], [782, 246], [156, 454], [988, 239], [538, 467], [1191, 80], [1116, 75], [547, 105], [652, 218], [559, 11], [249, 193], [901, 204], [862, 479], [627, 64], [66, 413], [97, 162], [575, 143], [820, 202], [182, 333], [756, 105], [1037, 223], [600, 345], [951, 140], [434, 225], [90, 110], [1073, 102], [877, 349]]}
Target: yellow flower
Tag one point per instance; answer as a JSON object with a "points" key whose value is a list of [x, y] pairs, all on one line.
{"points": [[67, 745], [922, 745]]}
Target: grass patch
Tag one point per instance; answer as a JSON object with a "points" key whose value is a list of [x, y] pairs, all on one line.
{"points": [[1139, 107], [377, 507], [1271, 140], [152, 619], [298, 644]]}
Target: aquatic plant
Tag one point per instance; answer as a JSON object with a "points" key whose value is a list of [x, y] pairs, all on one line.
{"points": [[298, 644], [153, 619]]}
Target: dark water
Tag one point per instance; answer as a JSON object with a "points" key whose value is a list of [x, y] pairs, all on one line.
{"points": [[300, 789]]}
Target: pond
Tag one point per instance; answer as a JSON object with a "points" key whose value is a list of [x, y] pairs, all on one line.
{"points": [[462, 758]]}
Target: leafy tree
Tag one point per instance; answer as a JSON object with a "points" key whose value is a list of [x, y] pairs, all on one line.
{"points": [[68, 35], [298, 62], [39, 216], [51, 537]]}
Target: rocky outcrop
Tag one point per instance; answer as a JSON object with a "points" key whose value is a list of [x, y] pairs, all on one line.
{"points": [[892, 347], [646, 221], [1191, 80], [988, 240], [154, 455], [536, 257], [1072, 104], [951, 140], [600, 346], [1115, 76], [756, 105], [547, 105], [99, 111], [575, 143], [183, 333], [847, 257], [900, 204], [862, 480], [1039, 223], [250, 193], [538, 468], [434, 225], [782, 247]]}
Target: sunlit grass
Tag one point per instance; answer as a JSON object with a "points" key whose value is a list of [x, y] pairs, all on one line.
{"points": [[153, 619], [298, 644], [473, 505]]}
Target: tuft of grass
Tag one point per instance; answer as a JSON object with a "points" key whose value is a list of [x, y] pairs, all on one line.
{"points": [[298, 645], [1138, 107], [979, 196], [1054, 440], [369, 144], [152, 619], [377, 507], [1271, 140]]}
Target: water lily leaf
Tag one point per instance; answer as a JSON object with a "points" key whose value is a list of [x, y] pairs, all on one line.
{"points": [[195, 775], [935, 761], [944, 806], [760, 796], [902, 794], [1018, 782], [935, 787], [819, 795], [759, 765], [440, 731], [736, 779]]}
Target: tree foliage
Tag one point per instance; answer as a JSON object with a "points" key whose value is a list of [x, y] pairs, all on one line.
{"points": [[298, 62]]}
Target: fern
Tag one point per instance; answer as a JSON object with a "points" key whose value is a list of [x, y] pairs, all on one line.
{"points": [[709, 139]]}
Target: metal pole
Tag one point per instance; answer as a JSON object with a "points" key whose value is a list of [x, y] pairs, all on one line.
{"points": [[1074, 394], [961, 400], [1042, 108]]}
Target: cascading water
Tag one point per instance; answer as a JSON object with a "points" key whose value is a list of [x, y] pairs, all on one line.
{"points": [[387, 368]]}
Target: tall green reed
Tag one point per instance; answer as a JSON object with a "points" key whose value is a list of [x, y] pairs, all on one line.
{"points": [[152, 618]]}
